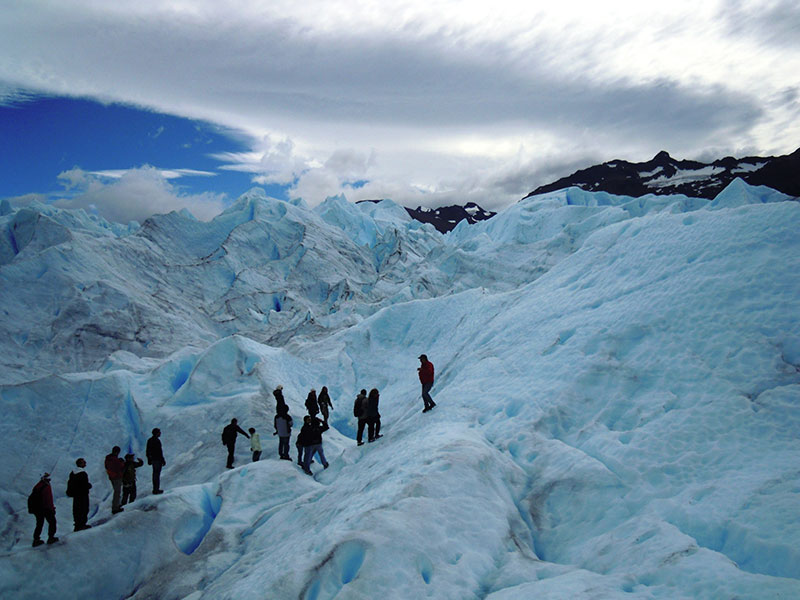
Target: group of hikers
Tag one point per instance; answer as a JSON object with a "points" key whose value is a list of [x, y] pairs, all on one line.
{"points": [[122, 473], [309, 439]]}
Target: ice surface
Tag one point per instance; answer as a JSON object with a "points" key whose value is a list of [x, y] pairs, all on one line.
{"points": [[618, 389]]}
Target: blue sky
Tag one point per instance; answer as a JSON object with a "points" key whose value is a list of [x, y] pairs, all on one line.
{"points": [[426, 103], [48, 136]]}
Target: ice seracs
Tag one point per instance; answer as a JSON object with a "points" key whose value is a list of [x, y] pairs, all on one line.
{"points": [[618, 382]]}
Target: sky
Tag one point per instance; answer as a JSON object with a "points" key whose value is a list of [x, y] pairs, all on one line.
{"points": [[130, 108]]}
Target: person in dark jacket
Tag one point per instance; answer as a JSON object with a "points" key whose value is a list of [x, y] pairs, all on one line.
{"points": [[280, 403], [78, 487], [425, 372], [115, 466], [283, 429], [312, 406], [325, 404], [373, 416], [155, 457], [360, 412], [315, 427], [229, 439], [301, 443], [129, 478], [42, 507]]}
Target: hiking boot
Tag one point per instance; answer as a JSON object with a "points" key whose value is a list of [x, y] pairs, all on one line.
{"points": [[360, 443], [37, 543], [52, 540], [119, 510], [158, 491]]}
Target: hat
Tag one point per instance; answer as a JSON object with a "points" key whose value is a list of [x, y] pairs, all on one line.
{"points": [[280, 387], [425, 356], [45, 475], [127, 456]]}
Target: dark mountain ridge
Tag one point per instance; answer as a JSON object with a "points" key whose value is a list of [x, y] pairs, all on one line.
{"points": [[664, 175], [446, 218]]}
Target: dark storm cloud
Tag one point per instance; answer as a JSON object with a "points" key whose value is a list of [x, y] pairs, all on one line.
{"points": [[446, 80]]}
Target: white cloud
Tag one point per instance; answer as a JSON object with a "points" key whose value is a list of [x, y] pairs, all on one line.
{"points": [[134, 196], [165, 173]]}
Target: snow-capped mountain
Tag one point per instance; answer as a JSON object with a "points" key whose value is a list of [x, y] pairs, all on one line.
{"points": [[446, 218], [665, 175], [617, 388]]}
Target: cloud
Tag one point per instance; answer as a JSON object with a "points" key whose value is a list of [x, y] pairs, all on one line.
{"points": [[493, 185], [330, 93], [133, 196], [11, 95], [165, 173], [774, 22]]}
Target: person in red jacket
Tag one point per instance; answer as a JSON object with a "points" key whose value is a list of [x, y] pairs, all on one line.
{"points": [[40, 505], [115, 467], [425, 371]]}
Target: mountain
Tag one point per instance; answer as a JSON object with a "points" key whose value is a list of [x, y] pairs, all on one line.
{"points": [[617, 388], [665, 175], [446, 218]]}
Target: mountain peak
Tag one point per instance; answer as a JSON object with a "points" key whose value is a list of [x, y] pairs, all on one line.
{"points": [[662, 156]]}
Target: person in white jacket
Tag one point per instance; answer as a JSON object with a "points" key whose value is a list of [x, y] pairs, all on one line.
{"points": [[255, 444]]}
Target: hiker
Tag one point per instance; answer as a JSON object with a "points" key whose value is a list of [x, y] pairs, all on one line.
{"points": [[155, 457], [283, 429], [229, 439], [40, 505], [129, 478], [311, 403], [280, 403], [255, 444], [360, 412], [301, 442], [78, 487], [325, 403], [115, 466], [314, 444], [425, 371], [373, 416]]}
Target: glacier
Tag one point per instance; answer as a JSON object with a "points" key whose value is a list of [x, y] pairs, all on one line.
{"points": [[618, 390]]}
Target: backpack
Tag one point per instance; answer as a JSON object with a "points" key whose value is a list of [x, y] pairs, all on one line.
{"points": [[35, 500], [71, 485], [358, 406]]}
